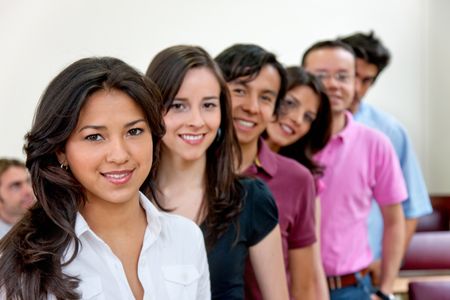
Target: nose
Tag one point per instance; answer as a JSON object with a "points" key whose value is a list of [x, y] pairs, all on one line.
{"points": [[196, 118], [251, 104], [297, 116], [118, 152]]}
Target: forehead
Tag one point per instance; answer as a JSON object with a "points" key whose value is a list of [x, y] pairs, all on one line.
{"points": [[330, 59], [12, 174], [104, 105], [268, 78], [365, 68]]}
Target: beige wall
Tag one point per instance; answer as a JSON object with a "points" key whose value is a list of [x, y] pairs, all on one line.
{"points": [[39, 38]]}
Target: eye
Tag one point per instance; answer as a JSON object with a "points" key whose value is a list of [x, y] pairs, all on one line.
{"points": [[342, 77], [309, 118], [210, 105], [135, 131], [288, 103], [238, 91], [94, 137], [267, 98]]}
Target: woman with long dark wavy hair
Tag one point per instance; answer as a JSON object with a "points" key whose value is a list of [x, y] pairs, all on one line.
{"points": [[301, 129], [94, 233], [197, 177]]}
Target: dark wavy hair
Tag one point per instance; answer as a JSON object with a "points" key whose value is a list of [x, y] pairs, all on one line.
{"points": [[241, 60], [320, 132], [31, 253], [223, 192]]}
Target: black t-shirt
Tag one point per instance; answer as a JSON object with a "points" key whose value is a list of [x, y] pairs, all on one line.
{"points": [[227, 260]]}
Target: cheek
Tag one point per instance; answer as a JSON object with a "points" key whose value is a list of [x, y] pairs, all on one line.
{"points": [[267, 113]]}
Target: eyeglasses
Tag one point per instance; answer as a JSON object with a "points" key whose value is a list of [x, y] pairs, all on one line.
{"points": [[341, 77], [287, 105]]}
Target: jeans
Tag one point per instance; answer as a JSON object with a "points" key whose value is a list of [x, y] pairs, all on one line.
{"points": [[361, 291]]}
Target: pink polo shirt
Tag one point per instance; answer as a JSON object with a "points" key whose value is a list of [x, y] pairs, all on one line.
{"points": [[360, 165]]}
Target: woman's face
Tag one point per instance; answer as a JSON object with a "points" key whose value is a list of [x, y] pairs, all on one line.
{"points": [[110, 150], [194, 117], [298, 111]]}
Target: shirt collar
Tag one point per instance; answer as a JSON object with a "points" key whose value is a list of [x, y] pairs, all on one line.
{"points": [[344, 134], [265, 159], [151, 212]]}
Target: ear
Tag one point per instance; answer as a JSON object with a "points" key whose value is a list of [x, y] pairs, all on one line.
{"points": [[61, 156]]}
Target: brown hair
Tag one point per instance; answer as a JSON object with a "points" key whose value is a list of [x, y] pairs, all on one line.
{"points": [[223, 195], [31, 253]]}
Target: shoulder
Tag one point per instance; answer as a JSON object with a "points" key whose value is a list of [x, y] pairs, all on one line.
{"points": [[290, 168], [254, 188], [179, 227], [383, 121]]}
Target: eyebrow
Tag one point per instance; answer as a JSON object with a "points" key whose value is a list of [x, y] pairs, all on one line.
{"points": [[101, 127], [245, 83], [204, 98]]}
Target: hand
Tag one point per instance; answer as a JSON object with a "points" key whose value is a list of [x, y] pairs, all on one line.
{"points": [[375, 272]]}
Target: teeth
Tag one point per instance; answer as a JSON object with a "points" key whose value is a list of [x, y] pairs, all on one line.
{"points": [[116, 176], [246, 123], [287, 129], [191, 137]]}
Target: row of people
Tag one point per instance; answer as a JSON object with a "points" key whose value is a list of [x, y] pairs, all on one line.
{"points": [[115, 157]]}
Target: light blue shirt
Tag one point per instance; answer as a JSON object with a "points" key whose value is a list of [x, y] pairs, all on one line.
{"points": [[418, 202]]}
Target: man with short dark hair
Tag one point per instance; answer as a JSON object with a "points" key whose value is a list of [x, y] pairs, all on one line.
{"points": [[257, 83], [360, 164], [372, 57], [16, 195]]}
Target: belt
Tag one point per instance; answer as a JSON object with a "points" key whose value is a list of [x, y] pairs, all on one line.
{"points": [[339, 282]]}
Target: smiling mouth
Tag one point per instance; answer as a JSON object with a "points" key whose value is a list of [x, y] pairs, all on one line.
{"points": [[287, 129], [193, 139], [243, 124], [118, 177]]}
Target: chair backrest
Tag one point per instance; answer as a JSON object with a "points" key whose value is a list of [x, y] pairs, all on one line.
{"points": [[438, 220], [429, 290], [428, 251]]}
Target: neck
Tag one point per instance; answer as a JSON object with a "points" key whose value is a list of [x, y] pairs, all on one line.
{"points": [[354, 107], [272, 145], [338, 123], [180, 174], [175, 171], [110, 219], [10, 219], [249, 153]]}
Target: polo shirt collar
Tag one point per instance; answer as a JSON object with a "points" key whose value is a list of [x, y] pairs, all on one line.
{"points": [[344, 134], [266, 158]]}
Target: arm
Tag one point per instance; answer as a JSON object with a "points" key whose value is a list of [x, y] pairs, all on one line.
{"points": [[410, 225], [307, 276], [393, 244], [267, 261]]}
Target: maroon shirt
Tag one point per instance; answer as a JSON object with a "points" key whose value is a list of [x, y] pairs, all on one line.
{"points": [[292, 186]]}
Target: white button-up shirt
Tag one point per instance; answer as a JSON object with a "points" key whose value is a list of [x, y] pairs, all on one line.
{"points": [[172, 264]]}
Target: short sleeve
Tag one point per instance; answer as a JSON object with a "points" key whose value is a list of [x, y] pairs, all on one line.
{"points": [[389, 183], [261, 211]]}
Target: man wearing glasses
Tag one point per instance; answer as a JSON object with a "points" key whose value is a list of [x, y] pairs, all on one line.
{"points": [[16, 194], [360, 164], [371, 59]]}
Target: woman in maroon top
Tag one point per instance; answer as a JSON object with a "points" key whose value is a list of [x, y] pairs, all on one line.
{"points": [[303, 128]]}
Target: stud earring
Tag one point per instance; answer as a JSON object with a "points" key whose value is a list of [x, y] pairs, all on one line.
{"points": [[63, 166]]}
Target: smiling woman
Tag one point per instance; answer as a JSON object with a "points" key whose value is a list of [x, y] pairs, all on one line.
{"points": [[90, 152]]}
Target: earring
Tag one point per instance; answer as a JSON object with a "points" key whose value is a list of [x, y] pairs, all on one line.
{"points": [[219, 134], [63, 166]]}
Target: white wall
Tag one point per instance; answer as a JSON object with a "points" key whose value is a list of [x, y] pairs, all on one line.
{"points": [[39, 38], [439, 96]]}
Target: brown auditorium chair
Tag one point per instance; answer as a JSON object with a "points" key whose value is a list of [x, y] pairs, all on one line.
{"points": [[429, 290], [428, 251]]}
